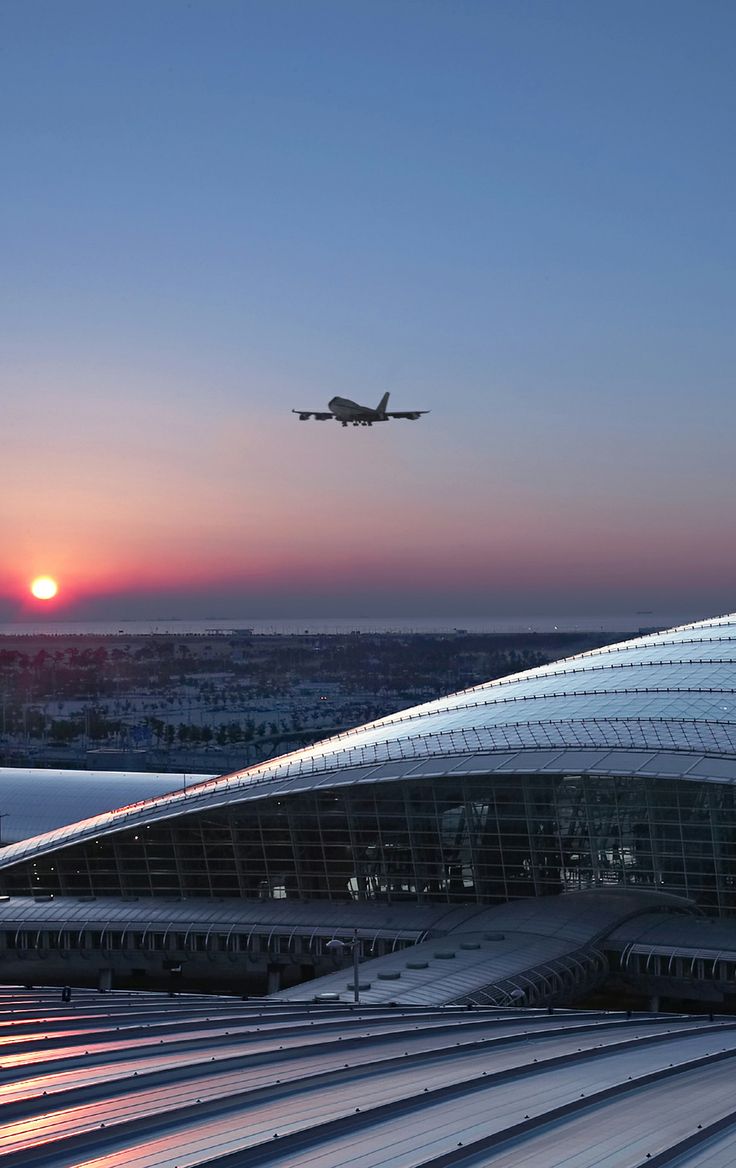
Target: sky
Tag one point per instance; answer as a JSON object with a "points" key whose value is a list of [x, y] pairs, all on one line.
{"points": [[516, 214]]}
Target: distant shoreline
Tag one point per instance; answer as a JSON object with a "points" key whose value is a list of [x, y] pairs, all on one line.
{"points": [[345, 626]]}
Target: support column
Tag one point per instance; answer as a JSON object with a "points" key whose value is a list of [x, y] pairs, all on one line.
{"points": [[104, 981], [274, 979]]}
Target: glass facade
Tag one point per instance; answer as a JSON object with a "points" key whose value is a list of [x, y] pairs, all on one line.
{"points": [[482, 839]]}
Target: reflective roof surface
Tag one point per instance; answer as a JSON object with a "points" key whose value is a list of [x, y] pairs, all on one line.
{"points": [[672, 689], [661, 704], [33, 801], [155, 1082]]}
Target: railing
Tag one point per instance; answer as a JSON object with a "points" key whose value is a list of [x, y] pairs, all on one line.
{"points": [[560, 980]]}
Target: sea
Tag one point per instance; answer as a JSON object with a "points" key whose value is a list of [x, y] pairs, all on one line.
{"points": [[624, 623]]}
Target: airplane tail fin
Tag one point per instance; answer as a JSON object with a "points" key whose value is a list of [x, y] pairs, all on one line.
{"points": [[381, 407]]}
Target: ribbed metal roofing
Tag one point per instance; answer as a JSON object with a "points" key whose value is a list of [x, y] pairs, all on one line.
{"points": [[662, 704], [155, 1082], [674, 690]]}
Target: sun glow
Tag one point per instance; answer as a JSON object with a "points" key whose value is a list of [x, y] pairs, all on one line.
{"points": [[44, 587]]}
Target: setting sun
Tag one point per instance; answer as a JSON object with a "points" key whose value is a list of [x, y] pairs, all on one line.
{"points": [[44, 587]]}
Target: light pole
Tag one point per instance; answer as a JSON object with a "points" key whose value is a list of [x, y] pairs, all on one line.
{"points": [[341, 946]]}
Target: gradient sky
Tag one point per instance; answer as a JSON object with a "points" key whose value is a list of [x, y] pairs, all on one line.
{"points": [[518, 214]]}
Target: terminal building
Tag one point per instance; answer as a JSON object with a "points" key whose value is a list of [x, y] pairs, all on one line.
{"points": [[612, 771]]}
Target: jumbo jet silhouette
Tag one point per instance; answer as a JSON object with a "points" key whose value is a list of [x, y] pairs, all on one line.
{"points": [[342, 410]]}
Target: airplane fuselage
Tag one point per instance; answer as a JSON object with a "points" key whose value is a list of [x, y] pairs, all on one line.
{"points": [[346, 410]]}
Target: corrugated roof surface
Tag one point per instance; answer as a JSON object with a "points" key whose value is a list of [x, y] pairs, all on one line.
{"points": [[577, 916], [443, 971], [59, 912], [148, 1081], [670, 690], [460, 954], [680, 933], [484, 956]]}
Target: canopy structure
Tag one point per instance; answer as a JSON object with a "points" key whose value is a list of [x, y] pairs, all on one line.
{"points": [[661, 705], [613, 767]]}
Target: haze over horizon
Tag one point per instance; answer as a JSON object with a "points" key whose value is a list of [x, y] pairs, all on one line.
{"points": [[517, 216]]}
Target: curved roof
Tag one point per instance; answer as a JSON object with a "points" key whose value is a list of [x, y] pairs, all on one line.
{"points": [[156, 1082], [35, 801], [663, 704]]}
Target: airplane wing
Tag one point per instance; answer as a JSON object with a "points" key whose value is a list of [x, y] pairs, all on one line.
{"points": [[318, 415], [412, 415]]}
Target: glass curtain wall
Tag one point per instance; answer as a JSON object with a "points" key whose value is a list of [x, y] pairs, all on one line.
{"points": [[481, 839]]}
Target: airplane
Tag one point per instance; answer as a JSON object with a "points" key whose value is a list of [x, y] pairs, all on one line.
{"points": [[343, 410]]}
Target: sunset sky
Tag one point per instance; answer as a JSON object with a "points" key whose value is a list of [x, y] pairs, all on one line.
{"points": [[518, 214]]}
